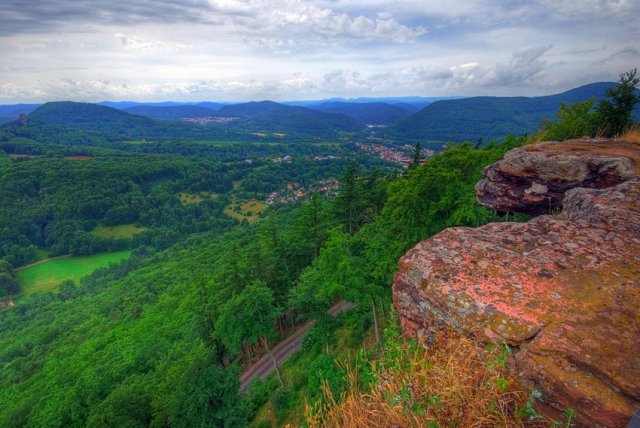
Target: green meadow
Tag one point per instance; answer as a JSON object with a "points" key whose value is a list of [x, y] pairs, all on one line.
{"points": [[48, 275]]}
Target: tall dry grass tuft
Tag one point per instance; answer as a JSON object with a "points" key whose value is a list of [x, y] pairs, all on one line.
{"points": [[632, 135], [454, 383]]}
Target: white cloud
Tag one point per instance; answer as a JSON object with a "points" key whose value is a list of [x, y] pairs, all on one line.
{"points": [[311, 19], [143, 44], [292, 49]]}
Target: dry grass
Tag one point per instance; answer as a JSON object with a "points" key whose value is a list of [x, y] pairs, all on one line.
{"points": [[632, 135], [454, 383]]}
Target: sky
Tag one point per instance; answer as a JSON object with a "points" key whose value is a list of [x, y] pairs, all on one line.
{"points": [[241, 50]]}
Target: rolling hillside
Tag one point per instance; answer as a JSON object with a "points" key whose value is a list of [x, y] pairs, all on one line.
{"points": [[377, 113], [488, 117], [88, 116], [268, 116], [170, 112]]}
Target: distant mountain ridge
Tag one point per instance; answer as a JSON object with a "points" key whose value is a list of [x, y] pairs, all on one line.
{"points": [[375, 113], [171, 112], [469, 119], [448, 120], [11, 112], [272, 117]]}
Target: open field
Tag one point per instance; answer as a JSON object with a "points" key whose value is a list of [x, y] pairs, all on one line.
{"points": [[119, 231], [248, 210], [195, 198], [48, 275]]}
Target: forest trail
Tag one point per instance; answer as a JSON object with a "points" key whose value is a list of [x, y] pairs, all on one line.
{"points": [[283, 350]]}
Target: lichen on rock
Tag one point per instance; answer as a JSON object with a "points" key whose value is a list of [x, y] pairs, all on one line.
{"points": [[563, 291]]}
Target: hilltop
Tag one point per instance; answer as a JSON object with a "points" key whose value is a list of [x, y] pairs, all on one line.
{"points": [[170, 112], [86, 116], [273, 117], [469, 119], [375, 113]]}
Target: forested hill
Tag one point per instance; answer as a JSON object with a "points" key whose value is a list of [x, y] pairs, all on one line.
{"points": [[274, 117], [377, 113], [87, 116], [469, 119], [170, 112]]}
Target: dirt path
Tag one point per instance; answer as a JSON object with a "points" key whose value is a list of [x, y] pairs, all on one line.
{"points": [[39, 262], [283, 350]]}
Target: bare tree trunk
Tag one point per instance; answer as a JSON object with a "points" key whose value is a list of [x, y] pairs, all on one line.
{"points": [[376, 327], [275, 363], [384, 308]]}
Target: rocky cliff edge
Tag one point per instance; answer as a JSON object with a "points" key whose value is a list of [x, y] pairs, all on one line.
{"points": [[562, 290]]}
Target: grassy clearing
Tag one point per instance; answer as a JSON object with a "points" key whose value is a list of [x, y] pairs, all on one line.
{"points": [[195, 198], [248, 210], [48, 275], [119, 231]]}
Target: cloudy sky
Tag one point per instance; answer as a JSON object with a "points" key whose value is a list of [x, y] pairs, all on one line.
{"points": [[217, 50]]}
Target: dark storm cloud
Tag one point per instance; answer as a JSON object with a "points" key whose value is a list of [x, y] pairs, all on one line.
{"points": [[18, 16]]}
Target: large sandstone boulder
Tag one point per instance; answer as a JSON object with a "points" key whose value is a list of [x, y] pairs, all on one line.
{"points": [[533, 179], [563, 291]]}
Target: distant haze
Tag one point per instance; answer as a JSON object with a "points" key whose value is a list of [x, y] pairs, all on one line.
{"points": [[238, 50]]}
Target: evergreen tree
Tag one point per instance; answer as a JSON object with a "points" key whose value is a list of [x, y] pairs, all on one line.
{"points": [[614, 115], [8, 282], [249, 317], [417, 156]]}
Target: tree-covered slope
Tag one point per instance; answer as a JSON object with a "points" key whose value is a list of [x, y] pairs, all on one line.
{"points": [[170, 112], [268, 116], [87, 116], [489, 117], [376, 113], [123, 350], [140, 344]]}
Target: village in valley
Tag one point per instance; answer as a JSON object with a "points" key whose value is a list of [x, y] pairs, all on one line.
{"points": [[402, 155]]}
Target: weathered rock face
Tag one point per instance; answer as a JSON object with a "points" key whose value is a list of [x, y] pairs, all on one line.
{"points": [[533, 179], [563, 291]]}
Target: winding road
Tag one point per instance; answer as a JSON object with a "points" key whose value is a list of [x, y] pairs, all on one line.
{"points": [[283, 350]]}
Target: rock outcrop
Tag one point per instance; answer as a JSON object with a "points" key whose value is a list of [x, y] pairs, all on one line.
{"points": [[533, 179], [563, 291]]}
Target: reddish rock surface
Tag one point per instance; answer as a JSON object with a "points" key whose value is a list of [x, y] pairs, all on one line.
{"points": [[533, 179], [563, 291]]}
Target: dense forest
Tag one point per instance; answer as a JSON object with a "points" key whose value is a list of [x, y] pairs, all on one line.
{"points": [[155, 340], [162, 337]]}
